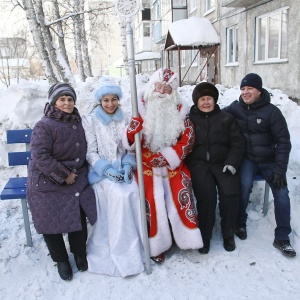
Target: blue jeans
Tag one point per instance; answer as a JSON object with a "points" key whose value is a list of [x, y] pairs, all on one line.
{"points": [[281, 197]]}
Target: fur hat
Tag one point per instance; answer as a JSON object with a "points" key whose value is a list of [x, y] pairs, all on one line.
{"points": [[166, 76], [252, 80], [60, 89], [205, 89], [107, 87]]}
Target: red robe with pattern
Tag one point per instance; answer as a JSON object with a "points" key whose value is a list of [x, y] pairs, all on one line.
{"points": [[168, 192]]}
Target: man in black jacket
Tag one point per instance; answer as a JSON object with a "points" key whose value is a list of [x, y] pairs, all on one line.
{"points": [[267, 153]]}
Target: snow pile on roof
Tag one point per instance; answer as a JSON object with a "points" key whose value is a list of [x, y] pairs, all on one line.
{"points": [[147, 56], [193, 32]]}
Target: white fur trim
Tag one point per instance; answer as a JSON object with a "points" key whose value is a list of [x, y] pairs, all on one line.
{"points": [[158, 76], [185, 109], [184, 237], [162, 241], [174, 81], [171, 156]]}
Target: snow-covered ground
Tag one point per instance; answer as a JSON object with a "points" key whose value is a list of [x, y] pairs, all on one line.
{"points": [[255, 270]]}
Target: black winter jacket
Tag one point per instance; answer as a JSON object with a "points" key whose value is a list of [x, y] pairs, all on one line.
{"points": [[265, 130], [217, 134]]}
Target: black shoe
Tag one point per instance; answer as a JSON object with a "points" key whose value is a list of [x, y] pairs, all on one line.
{"points": [[285, 247], [64, 270], [81, 262], [159, 259], [205, 248], [229, 244], [241, 231]]}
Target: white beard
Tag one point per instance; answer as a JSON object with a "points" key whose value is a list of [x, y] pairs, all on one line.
{"points": [[162, 121]]}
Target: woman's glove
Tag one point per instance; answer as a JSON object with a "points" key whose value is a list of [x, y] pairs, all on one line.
{"points": [[128, 173], [230, 169], [113, 175], [279, 181], [135, 126]]}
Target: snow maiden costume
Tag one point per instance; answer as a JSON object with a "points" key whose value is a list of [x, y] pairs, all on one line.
{"points": [[115, 244]]}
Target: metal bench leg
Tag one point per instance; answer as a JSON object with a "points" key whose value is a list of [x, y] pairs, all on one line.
{"points": [[26, 222], [266, 199]]}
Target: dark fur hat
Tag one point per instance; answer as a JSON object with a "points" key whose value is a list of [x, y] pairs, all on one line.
{"points": [[205, 89]]}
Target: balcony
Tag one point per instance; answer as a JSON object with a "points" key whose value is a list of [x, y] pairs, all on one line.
{"points": [[239, 3]]}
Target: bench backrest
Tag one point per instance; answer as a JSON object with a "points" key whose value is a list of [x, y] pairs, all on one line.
{"points": [[16, 137]]}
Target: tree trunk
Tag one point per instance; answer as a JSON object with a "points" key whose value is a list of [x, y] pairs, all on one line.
{"points": [[39, 41], [60, 32], [61, 66], [78, 40], [85, 48]]}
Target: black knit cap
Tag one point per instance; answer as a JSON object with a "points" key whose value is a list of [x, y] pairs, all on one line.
{"points": [[60, 89], [205, 89], [252, 80]]}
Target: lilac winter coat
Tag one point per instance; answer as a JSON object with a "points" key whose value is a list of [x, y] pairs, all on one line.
{"points": [[58, 147]]}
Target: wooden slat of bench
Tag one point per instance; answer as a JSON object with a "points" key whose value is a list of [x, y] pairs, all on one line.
{"points": [[18, 136], [18, 158]]}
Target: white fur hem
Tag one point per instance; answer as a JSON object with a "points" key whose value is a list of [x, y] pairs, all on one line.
{"points": [[125, 141], [171, 156]]}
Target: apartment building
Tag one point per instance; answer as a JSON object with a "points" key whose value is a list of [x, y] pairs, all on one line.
{"points": [[260, 36]]}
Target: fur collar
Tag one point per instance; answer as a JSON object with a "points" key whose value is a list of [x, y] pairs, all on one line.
{"points": [[106, 118], [59, 115]]}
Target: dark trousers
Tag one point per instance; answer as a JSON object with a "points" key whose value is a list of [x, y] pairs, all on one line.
{"points": [[77, 241], [281, 196], [206, 192]]}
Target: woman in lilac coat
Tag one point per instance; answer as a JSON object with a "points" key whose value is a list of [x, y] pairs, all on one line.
{"points": [[58, 191]]}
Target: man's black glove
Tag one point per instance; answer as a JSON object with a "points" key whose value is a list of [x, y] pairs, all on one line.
{"points": [[279, 181]]}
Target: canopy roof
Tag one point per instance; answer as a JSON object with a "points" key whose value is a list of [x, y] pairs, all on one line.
{"points": [[119, 63], [147, 56], [191, 33]]}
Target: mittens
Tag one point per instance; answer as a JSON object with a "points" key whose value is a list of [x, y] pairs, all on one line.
{"points": [[279, 181], [113, 175], [135, 126], [230, 169], [128, 173]]}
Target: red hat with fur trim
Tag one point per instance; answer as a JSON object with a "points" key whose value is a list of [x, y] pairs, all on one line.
{"points": [[166, 76]]}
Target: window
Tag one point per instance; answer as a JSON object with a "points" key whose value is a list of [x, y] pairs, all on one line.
{"points": [[179, 4], [271, 36], [209, 5], [182, 56], [146, 28], [171, 59], [156, 9], [194, 57], [232, 45], [193, 5]]}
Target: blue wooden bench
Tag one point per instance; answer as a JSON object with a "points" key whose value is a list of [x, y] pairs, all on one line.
{"points": [[15, 188], [266, 195]]}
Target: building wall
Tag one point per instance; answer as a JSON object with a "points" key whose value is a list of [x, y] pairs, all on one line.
{"points": [[284, 75]]}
